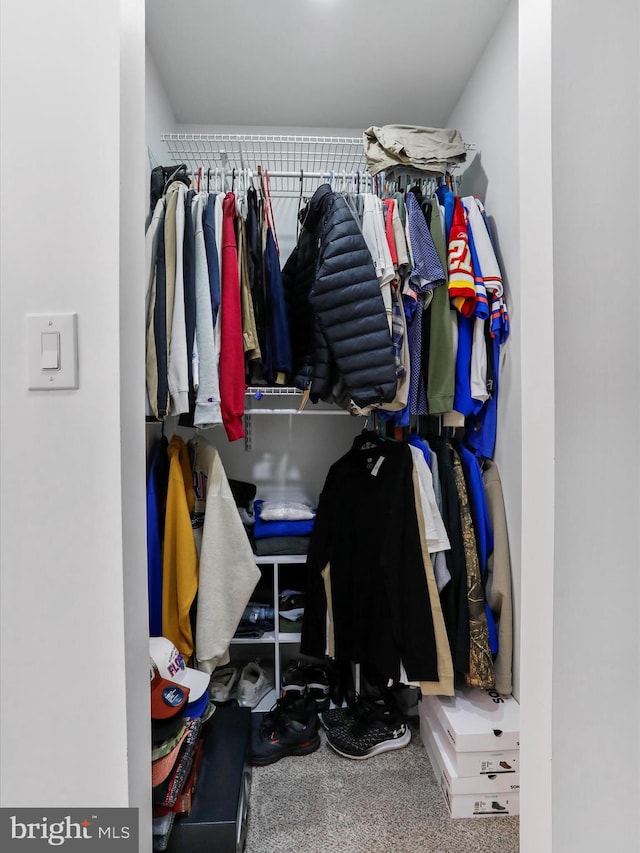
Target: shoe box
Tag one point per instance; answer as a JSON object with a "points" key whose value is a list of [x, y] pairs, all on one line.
{"points": [[477, 720], [478, 782], [478, 763], [220, 805]]}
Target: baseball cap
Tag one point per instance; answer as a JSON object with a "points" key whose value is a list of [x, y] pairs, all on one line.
{"points": [[163, 730], [197, 708], [167, 697], [171, 666], [160, 749], [161, 768]]}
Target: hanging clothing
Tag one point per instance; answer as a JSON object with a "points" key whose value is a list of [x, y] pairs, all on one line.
{"points": [[256, 276], [211, 248], [278, 360], [189, 255], [232, 382], [355, 343], [179, 559], [152, 239], [366, 530], [178, 369], [454, 599], [482, 528], [157, 483], [156, 362], [441, 362], [480, 671], [228, 572], [445, 685], [207, 410], [498, 585], [249, 330]]}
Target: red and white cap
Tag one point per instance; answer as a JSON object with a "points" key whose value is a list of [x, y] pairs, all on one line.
{"points": [[171, 666], [167, 697]]}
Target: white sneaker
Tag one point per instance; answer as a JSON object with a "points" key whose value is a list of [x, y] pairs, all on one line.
{"points": [[222, 683], [255, 682]]}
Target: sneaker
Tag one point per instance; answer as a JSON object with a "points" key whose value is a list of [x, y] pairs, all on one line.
{"points": [[222, 684], [294, 679], [300, 708], [290, 728], [291, 605], [334, 717], [318, 686], [374, 727], [254, 683]]}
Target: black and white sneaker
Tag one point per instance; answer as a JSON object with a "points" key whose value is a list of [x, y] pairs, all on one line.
{"points": [[291, 604], [294, 679], [334, 717], [372, 728], [318, 686]]}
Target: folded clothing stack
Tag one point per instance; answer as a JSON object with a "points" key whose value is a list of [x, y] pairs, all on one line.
{"points": [[256, 619], [282, 527]]}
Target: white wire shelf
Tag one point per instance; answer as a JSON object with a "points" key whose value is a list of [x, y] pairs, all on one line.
{"points": [[296, 164], [289, 160], [275, 153]]}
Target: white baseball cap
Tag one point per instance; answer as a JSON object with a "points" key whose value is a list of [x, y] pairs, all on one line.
{"points": [[171, 666]]}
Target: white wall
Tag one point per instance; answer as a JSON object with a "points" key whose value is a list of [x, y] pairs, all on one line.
{"points": [[63, 622], [487, 115], [538, 398], [596, 684], [158, 111], [133, 203]]}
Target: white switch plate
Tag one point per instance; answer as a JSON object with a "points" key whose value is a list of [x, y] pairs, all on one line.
{"points": [[66, 376]]}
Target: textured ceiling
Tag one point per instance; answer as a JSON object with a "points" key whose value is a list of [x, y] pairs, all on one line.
{"points": [[317, 63]]}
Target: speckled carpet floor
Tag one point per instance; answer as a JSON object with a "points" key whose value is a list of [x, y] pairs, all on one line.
{"points": [[324, 803]]}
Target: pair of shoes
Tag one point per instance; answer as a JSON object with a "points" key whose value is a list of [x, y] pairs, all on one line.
{"points": [[311, 680], [372, 726], [247, 685], [289, 728]]}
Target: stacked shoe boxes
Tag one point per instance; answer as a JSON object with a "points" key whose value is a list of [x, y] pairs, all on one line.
{"points": [[473, 743]]}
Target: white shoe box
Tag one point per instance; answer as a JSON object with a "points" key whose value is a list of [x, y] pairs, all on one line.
{"points": [[487, 784], [494, 795], [464, 764], [478, 805], [477, 720]]}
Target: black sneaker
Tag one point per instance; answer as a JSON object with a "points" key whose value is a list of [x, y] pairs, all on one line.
{"points": [[291, 605], [294, 679], [296, 707], [334, 717], [289, 728], [318, 686], [374, 727]]}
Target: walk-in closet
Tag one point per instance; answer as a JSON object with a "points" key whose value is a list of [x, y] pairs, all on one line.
{"points": [[211, 496], [282, 163]]}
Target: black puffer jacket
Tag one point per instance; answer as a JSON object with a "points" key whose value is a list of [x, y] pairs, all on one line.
{"points": [[338, 326]]}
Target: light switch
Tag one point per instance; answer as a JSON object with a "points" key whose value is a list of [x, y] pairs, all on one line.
{"points": [[50, 350]]}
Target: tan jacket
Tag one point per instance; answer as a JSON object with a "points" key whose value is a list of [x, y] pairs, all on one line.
{"points": [[498, 586]]}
